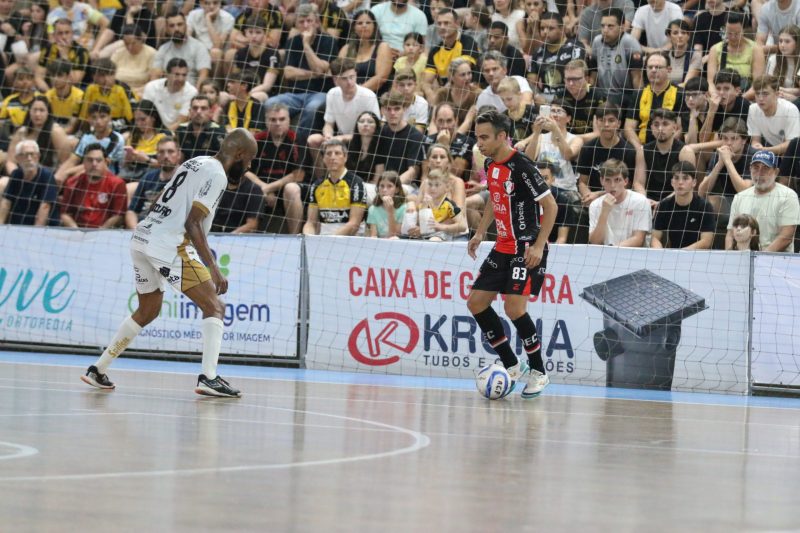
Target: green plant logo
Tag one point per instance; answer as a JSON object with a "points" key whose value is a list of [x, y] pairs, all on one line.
{"points": [[223, 261]]}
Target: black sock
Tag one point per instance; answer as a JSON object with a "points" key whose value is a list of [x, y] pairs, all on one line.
{"points": [[530, 341], [492, 327]]}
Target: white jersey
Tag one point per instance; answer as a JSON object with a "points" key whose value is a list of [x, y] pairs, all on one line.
{"points": [[198, 182]]}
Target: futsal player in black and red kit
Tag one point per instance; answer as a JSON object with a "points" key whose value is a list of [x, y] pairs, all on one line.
{"points": [[525, 212]]}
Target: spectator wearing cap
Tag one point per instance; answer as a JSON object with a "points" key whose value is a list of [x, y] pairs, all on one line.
{"points": [[774, 206], [497, 39]]}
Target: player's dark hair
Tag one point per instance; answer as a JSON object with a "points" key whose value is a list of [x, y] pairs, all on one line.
{"points": [[500, 122], [399, 193], [613, 12]]}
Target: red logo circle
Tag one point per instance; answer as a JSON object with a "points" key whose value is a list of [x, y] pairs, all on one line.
{"points": [[376, 343]]}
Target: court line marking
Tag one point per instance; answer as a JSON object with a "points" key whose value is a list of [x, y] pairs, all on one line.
{"points": [[551, 392], [22, 451], [420, 442], [484, 406]]}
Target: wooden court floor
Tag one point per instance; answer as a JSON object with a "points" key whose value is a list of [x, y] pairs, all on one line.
{"points": [[300, 456]]}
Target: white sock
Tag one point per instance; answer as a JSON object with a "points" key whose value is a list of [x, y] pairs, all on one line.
{"points": [[212, 342], [127, 331]]}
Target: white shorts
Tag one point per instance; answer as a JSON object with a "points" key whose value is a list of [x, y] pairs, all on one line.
{"points": [[183, 273]]}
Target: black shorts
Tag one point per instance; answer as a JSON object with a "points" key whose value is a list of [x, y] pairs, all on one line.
{"points": [[506, 274]]}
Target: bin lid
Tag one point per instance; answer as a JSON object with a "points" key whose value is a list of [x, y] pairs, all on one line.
{"points": [[643, 301]]}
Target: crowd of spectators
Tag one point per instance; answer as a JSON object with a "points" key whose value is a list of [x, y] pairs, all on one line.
{"points": [[656, 123]]}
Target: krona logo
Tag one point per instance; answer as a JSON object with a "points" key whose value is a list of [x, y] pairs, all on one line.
{"points": [[377, 342]]}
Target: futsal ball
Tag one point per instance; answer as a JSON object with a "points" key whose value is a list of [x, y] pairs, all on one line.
{"points": [[493, 382]]}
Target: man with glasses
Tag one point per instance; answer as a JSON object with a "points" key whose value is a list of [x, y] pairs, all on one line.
{"points": [[31, 192], [582, 98], [660, 93]]}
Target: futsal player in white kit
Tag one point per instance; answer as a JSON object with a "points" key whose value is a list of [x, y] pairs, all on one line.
{"points": [[167, 248]]}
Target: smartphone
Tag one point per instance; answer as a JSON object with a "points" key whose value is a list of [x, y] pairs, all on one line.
{"points": [[544, 110]]}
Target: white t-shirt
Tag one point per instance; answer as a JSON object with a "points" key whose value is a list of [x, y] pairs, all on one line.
{"points": [[777, 208], [511, 21], [344, 114], [565, 178], [196, 20], [782, 126], [169, 105], [199, 181], [655, 24], [788, 78], [771, 20], [487, 96], [632, 214], [418, 112], [192, 51]]}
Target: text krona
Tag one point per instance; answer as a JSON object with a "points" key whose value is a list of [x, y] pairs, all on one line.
{"points": [[443, 284]]}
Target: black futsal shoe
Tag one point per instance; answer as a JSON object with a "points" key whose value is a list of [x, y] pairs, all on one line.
{"points": [[215, 387], [94, 378]]}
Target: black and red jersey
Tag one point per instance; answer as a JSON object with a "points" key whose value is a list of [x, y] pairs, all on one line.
{"points": [[515, 188]]}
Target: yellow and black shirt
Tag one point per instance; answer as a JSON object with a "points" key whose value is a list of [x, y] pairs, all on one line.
{"points": [[446, 210], [440, 56], [118, 99], [646, 101], [16, 109], [334, 200], [331, 17], [250, 117], [271, 16], [77, 55], [65, 108]]}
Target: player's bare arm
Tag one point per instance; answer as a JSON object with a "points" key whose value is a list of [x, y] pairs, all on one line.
{"points": [[194, 228], [480, 232]]}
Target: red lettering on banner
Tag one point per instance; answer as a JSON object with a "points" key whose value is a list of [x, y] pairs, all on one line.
{"points": [[353, 290], [431, 284], [464, 284], [383, 283], [446, 285], [372, 284], [565, 291], [408, 287]]}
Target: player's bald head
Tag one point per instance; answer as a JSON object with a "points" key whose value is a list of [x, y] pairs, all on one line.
{"points": [[239, 142]]}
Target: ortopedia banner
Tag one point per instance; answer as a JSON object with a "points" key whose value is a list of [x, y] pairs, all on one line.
{"points": [[776, 328], [659, 319], [74, 288]]}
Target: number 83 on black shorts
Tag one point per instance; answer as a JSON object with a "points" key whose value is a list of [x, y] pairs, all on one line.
{"points": [[507, 274]]}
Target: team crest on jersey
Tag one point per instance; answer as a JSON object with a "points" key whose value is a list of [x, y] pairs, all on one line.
{"points": [[204, 190], [509, 186], [102, 197]]}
